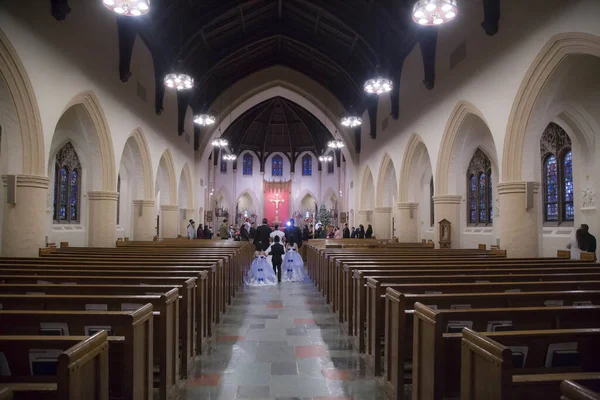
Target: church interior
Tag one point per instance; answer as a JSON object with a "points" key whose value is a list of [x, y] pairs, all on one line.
{"points": [[240, 199]]}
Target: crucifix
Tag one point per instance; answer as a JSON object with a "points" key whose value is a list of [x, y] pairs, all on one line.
{"points": [[277, 201]]}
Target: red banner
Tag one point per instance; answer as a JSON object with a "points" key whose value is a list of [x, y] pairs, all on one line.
{"points": [[277, 206]]}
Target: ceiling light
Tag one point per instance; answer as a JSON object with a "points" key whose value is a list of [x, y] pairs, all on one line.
{"points": [[179, 81], [220, 142], [325, 159], [229, 157], [378, 85], [351, 121], [434, 12], [335, 144], [129, 8], [204, 119]]}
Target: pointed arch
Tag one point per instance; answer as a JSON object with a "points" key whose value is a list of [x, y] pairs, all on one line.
{"points": [[555, 50], [382, 176], [140, 139], [91, 104], [186, 182], [367, 191], [166, 162], [459, 115], [20, 89], [414, 148]]}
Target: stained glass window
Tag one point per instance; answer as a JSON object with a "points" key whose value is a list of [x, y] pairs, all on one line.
{"points": [[307, 165], [277, 165], [557, 175], [67, 186], [247, 161], [223, 166], [431, 207], [479, 189]]}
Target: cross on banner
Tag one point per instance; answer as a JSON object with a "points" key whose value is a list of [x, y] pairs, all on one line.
{"points": [[277, 201]]}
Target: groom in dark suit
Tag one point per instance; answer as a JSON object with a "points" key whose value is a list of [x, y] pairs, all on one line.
{"points": [[261, 238]]}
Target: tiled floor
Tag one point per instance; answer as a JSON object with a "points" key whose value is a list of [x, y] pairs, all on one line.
{"points": [[282, 342]]}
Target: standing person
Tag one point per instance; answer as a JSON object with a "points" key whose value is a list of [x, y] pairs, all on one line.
{"points": [[361, 232], [293, 230], [244, 233], [261, 273], [353, 234], [207, 232], [191, 230], [311, 232], [277, 232], [200, 232], [292, 262], [252, 231], [305, 234], [277, 251], [591, 239], [346, 232], [338, 233], [261, 238], [224, 230], [577, 244], [369, 233]]}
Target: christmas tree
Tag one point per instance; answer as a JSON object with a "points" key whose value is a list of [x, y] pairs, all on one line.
{"points": [[324, 216]]}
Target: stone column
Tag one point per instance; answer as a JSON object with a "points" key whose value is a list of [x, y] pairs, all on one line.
{"points": [[144, 220], [447, 207], [169, 221], [407, 224], [102, 223], [23, 224], [382, 224], [365, 217], [518, 226]]}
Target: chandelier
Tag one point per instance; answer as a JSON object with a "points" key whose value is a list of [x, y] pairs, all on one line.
{"points": [[179, 81], [204, 119], [129, 8], [434, 12], [378, 85], [220, 142], [229, 157], [351, 121], [325, 159], [335, 144]]}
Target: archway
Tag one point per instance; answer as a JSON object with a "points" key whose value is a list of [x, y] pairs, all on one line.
{"points": [[186, 200], [556, 89], [387, 198], [166, 194], [367, 198]]}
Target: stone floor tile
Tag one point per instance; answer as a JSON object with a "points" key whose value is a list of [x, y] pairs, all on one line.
{"points": [[310, 351], [253, 392], [284, 368], [298, 386]]}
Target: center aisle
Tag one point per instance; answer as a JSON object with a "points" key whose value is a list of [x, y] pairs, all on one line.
{"points": [[282, 342]]}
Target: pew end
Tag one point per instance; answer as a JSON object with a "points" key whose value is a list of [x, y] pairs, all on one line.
{"points": [[574, 391]]}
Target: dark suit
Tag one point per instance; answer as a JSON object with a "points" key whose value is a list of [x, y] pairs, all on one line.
{"points": [[261, 238], [346, 233], [297, 232], [277, 251]]}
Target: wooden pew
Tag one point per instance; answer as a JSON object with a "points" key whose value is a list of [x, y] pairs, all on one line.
{"points": [[135, 327], [81, 370], [399, 317], [166, 322], [487, 364], [574, 391], [5, 393], [434, 351], [187, 306]]}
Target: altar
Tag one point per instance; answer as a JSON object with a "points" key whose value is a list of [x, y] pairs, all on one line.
{"points": [[277, 198]]}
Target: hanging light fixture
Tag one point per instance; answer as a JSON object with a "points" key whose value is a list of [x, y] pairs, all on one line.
{"points": [[378, 85], [434, 12], [351, 120], [204, 119], [128, 8], [335, 144], [178, 79], [220, 142], [229, 157], [325, 159]]}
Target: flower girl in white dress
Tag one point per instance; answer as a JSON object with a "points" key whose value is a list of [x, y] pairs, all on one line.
{"points": [[261, 272], [293, 265]]}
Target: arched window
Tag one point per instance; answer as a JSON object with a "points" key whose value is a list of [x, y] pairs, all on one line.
{"points": [[557, 175], [479, 189], [277, 169], [223, 166], [307, 165], [67, 186], [247, 164], [431, 208]]}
